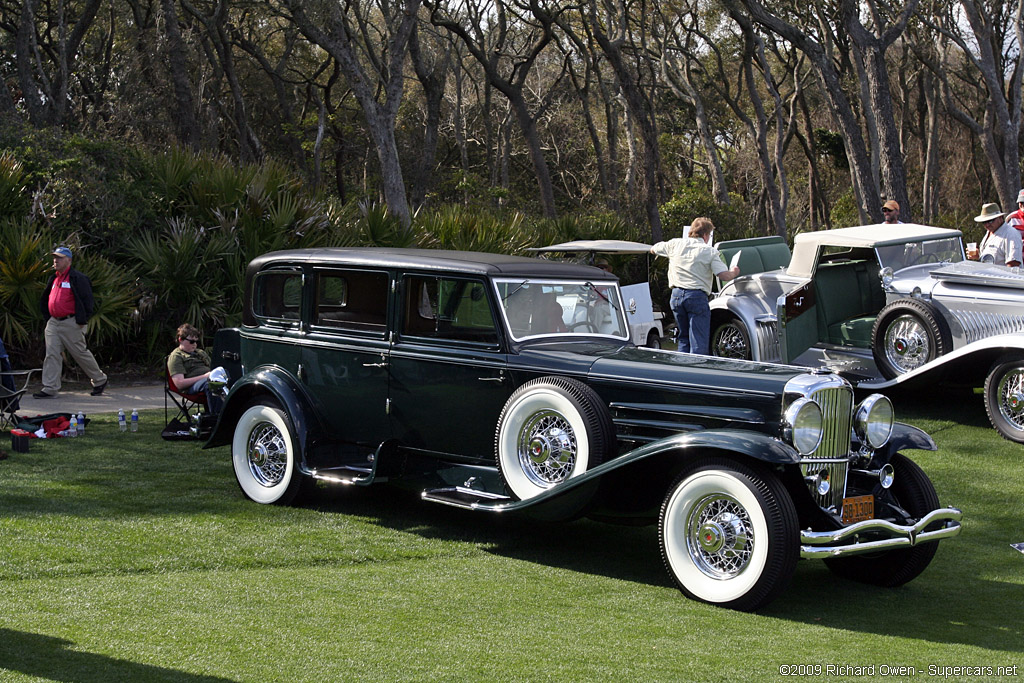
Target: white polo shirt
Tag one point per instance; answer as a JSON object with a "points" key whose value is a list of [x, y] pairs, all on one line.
{"points": [[691, 262], [1003, 245]]}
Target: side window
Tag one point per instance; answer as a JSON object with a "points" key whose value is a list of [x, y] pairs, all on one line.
{"points": [[278, 294], [448, 308], [351, 300]]}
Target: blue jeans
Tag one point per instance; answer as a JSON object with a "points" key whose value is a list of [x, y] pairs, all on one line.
{"points": [[693, 319]]}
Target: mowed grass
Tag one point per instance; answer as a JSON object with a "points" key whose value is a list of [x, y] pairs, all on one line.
{"points": [[126, 558]]}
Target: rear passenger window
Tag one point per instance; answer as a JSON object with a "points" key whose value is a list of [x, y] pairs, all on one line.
{"points": [[351, 300], [448, 308], [278, 295]]}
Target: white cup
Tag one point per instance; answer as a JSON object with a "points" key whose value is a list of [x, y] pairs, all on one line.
{"points": [[971, 246]]}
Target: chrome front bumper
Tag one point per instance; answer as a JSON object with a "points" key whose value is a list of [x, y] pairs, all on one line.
{"points": [[873, 535]]}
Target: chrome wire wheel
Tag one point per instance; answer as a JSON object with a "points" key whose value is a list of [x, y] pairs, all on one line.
{"points": [[907, 343], [720, 536], [268, 454], [264, 455], [1010, 396], [730, 341], [729, 534], [547, 448]]}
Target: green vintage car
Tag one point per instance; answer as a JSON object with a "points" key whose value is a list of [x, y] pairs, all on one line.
{"points": [[509, 385]]}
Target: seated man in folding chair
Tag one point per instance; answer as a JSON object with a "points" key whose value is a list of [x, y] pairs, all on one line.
{"points": [[189, 368]]}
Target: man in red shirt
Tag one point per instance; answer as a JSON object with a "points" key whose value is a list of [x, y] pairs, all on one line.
{"points": [[66, 305], [1016, 219]]}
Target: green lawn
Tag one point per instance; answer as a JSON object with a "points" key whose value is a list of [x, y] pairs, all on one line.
{"points": [[125, 558]]}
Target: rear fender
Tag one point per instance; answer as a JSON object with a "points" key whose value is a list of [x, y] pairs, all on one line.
{"points": [[267, 383]]}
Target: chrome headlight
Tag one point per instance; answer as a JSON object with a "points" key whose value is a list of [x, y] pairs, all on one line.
{"points": [[803, 425], [886, 275], [873, 420]]}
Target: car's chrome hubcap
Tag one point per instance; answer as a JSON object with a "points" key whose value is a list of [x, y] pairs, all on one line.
{"points": [[267, 453], [906, 344], [730, 343], [1011, 397], [720, 536], [547, 448]]}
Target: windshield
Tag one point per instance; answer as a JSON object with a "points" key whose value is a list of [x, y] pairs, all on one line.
{"points": [[537, 308], [945, 250]]}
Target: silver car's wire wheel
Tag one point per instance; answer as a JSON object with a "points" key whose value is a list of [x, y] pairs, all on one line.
{"points": [[907, 344], [267, 454], [1004, 397], [730, 341], [547, 448], [1011, 397], [720, 536]]}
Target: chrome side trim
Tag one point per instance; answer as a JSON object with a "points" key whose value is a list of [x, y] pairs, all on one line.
{"points": [[884, 535], [980, 324], [768, 340]]}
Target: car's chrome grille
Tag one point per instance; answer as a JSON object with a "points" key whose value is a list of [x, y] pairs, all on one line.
{"points": [[835, 398], [836, 405], [768, 340], [980, 324]]}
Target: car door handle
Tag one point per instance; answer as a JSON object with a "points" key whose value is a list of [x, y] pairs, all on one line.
{"points": [[499, 378], [375, 365]]}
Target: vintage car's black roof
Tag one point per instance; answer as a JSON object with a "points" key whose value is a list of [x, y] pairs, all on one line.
{"points": [[497, 265]]}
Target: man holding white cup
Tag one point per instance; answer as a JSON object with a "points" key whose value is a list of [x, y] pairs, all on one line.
{"points": [[1001, 243]]}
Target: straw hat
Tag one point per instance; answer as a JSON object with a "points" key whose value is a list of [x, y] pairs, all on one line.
{"points": [[988, 212]]}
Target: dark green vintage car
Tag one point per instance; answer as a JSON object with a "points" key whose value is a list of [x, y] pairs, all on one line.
{"points": [[506, 384]]}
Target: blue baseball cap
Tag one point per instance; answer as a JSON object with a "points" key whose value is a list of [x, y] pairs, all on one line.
{"points": [[62, 251]]}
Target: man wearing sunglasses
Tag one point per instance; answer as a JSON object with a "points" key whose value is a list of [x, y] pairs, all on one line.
{"points": [[189, 366], [891, 212]]}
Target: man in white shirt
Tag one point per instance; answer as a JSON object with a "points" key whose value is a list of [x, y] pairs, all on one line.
{"points": [[1001, 243], [692, 262]]}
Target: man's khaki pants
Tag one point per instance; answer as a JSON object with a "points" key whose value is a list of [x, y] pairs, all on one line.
{"points": [[67, 335]]}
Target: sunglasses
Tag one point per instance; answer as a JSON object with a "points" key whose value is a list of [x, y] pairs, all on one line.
{"points": [[191, 341], [886, 210]]}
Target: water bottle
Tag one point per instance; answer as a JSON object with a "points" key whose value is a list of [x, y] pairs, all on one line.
{"points": [[73, 429], [135, 420], [81, 423], [121, 424]]}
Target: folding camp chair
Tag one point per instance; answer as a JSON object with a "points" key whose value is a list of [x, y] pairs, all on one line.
{"points": [[189, 406], [13, 385]]}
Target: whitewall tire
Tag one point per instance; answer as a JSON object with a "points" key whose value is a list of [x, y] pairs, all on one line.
{"points": [[729, 535], [263, 454], [550, 430]]}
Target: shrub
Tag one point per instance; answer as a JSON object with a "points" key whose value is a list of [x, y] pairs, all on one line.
{"points": [[694, 200]]}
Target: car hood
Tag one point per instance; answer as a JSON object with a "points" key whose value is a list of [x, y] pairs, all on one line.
{"points": [[602, 361]]}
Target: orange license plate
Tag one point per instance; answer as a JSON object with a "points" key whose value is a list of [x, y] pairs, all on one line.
{"points": [[858, 508]]}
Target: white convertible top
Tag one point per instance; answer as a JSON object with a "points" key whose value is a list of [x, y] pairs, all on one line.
{"points": [[601, 246], [805, 245]]}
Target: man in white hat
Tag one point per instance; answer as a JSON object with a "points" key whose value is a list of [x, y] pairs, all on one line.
{"points": [[66, 305], [1001, 243], [1016, 219]]}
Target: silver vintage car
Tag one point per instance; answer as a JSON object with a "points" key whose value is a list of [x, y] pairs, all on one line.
{"points": [[883, 304]]}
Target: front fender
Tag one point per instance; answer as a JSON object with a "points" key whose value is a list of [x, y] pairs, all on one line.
{"points": [[905, 436], [268, 383]]}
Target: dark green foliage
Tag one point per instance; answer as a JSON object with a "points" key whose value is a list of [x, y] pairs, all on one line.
{"points": [[830, 144], [694, 200], [15, 199]]}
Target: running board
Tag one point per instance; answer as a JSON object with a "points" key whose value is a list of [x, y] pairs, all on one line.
{"points": [[468, 499], [348, 474]]}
